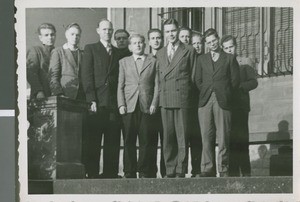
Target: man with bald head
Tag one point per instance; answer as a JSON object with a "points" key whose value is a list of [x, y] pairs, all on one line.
{"points": [[100, 71]]}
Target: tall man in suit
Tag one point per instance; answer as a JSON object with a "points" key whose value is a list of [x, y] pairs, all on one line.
{"points": [[155, 38], [137, 102], [217, 75], [100, 71], [38, 59], [175, 64], [239, 162]]}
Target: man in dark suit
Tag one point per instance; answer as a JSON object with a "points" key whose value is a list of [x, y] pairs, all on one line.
{"points": [[137, 102], [38, 59], [216, 77], [239, 161], [175, 64], [121, 37], [100, 71], [155, 38]]}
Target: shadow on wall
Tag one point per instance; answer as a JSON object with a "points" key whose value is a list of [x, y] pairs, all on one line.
{"points": [[275, 157]]}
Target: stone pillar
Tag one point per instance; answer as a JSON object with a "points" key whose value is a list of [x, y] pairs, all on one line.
{"points": [[55, 138]]}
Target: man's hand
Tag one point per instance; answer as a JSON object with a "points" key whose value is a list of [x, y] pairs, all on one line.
{"points": [[40, 95], [93, 106], [152, 109], [122, 110]]}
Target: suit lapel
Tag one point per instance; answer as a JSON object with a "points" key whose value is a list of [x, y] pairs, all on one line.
{"points": [[217, 63], [71, 60], [146, 63], [179, 53], [209, 62]]}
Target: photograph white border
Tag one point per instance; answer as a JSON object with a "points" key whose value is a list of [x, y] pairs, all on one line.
{"points": [[20, 28]]}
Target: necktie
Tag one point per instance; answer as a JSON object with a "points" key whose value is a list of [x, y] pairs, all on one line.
{"points": [[139, 64], [214, 56], [108, 48], [172, 51]]}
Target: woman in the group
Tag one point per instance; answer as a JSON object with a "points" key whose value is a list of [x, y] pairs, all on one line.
{"points": [[65, 66]]}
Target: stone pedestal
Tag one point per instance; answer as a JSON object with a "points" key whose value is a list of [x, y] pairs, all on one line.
{"points": [[55, 138]]}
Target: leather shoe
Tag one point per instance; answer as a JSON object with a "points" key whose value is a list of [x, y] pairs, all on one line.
{"points": [[224, 174], [170, 176], [180, 175], [130, 175], [207, 174]]}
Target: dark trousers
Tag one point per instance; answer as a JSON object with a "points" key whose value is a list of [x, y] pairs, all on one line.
{"points": [[159, 130], [239, 161], [175, 144], [195, 142], [105, 122], [139, 124]]}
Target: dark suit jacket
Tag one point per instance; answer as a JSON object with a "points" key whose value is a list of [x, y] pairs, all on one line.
{"points": [[221, 76], [175, 77], [135, 87], [100, 75], [37, 64], [64, 72], [248, 82]]}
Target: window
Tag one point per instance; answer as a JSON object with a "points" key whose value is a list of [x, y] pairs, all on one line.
{"points": [[263, 34], [188, 17]]}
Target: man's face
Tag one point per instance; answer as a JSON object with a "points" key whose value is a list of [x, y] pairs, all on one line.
{"points": [[137, 46], [155, 40], [196, 42], [212, 42], [73, 36], [47, 37], [121, 40], [184, 36], [229, 47], [171, 33], [105, 30]]}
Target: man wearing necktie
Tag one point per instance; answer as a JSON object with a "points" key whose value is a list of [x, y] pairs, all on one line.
{"points": [[137, 102], [175, 66], [100, 71], [216, 77]]}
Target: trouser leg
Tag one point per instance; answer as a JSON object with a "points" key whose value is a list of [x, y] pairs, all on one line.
{"points": [[170, 148], [223, 129]]}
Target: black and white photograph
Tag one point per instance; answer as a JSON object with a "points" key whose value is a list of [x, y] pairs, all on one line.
{"points": [[157, 101]]}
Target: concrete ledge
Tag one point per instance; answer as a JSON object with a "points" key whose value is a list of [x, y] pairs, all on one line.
{"points": [[175, 186]]}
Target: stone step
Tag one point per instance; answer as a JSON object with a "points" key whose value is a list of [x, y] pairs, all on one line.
{"points": [[209, 185]]}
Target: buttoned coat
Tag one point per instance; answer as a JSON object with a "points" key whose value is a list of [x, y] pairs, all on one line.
{"points": [[221, 77], [136, 87], [64, 72], [37, 64], [175, 77], [100, 75]]}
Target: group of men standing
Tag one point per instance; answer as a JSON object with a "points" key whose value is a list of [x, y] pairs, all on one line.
{"points": [[177, 93]]}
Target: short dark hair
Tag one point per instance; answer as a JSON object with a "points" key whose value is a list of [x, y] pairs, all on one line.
{"points": [[197, 34], [171, 21], [73, 25], [187, 29], [210, 32], [121, 31], [154, 30], [46, 26], [228, 38]]}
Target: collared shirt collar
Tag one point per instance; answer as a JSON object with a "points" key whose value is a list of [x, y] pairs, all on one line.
{"points": [[135, 57], [169, 47], [104, 43], [66, 46]]}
